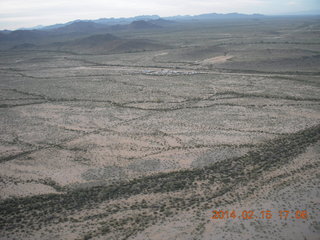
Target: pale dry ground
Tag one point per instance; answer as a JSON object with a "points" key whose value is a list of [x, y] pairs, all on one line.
{"points": [[98, 124], [297, 189], [71, 124], [216, 60], [292, 185]]}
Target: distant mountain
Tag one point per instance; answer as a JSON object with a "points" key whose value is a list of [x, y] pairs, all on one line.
{"points": [[89, 27], [80, 26], [59, 25], [23, 36], [161, 22], [5, 31], [213, 16], [104, 44], [105, 21], [73, 30], [150, 18], [115, 21], [142, 24]]}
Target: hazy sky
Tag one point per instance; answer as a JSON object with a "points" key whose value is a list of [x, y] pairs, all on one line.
{"points": [[27, 13]]}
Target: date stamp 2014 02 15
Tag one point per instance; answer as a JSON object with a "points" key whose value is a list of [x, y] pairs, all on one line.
{"points": [[265, 214]]}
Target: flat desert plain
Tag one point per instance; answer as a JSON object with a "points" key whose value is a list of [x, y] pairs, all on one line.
{"points": [[143, 142]]}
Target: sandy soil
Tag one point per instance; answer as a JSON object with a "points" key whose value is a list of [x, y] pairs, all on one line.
{"points": [[216, 60], [144, 145]]}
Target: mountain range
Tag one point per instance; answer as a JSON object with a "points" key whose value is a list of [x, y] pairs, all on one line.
{"points": [[115, 21], [94, 35]]}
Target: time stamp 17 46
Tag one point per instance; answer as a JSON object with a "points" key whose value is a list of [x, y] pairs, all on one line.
{"points": [[265, 214]]}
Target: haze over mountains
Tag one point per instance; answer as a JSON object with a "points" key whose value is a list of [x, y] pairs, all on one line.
{"points": [[79, 35], [115, 21], [93, 36], [83, 36]]}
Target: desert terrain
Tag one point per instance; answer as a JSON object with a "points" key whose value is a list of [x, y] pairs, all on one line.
{"points": [[141, 131]]}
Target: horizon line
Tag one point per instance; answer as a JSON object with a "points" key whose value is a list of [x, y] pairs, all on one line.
{"points": [[294, 14]]}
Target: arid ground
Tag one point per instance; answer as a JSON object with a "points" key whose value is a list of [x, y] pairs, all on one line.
{"points": [[145, 139]]}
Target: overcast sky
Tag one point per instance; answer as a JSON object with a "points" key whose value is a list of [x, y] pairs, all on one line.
{"points": [[27, 13]]}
